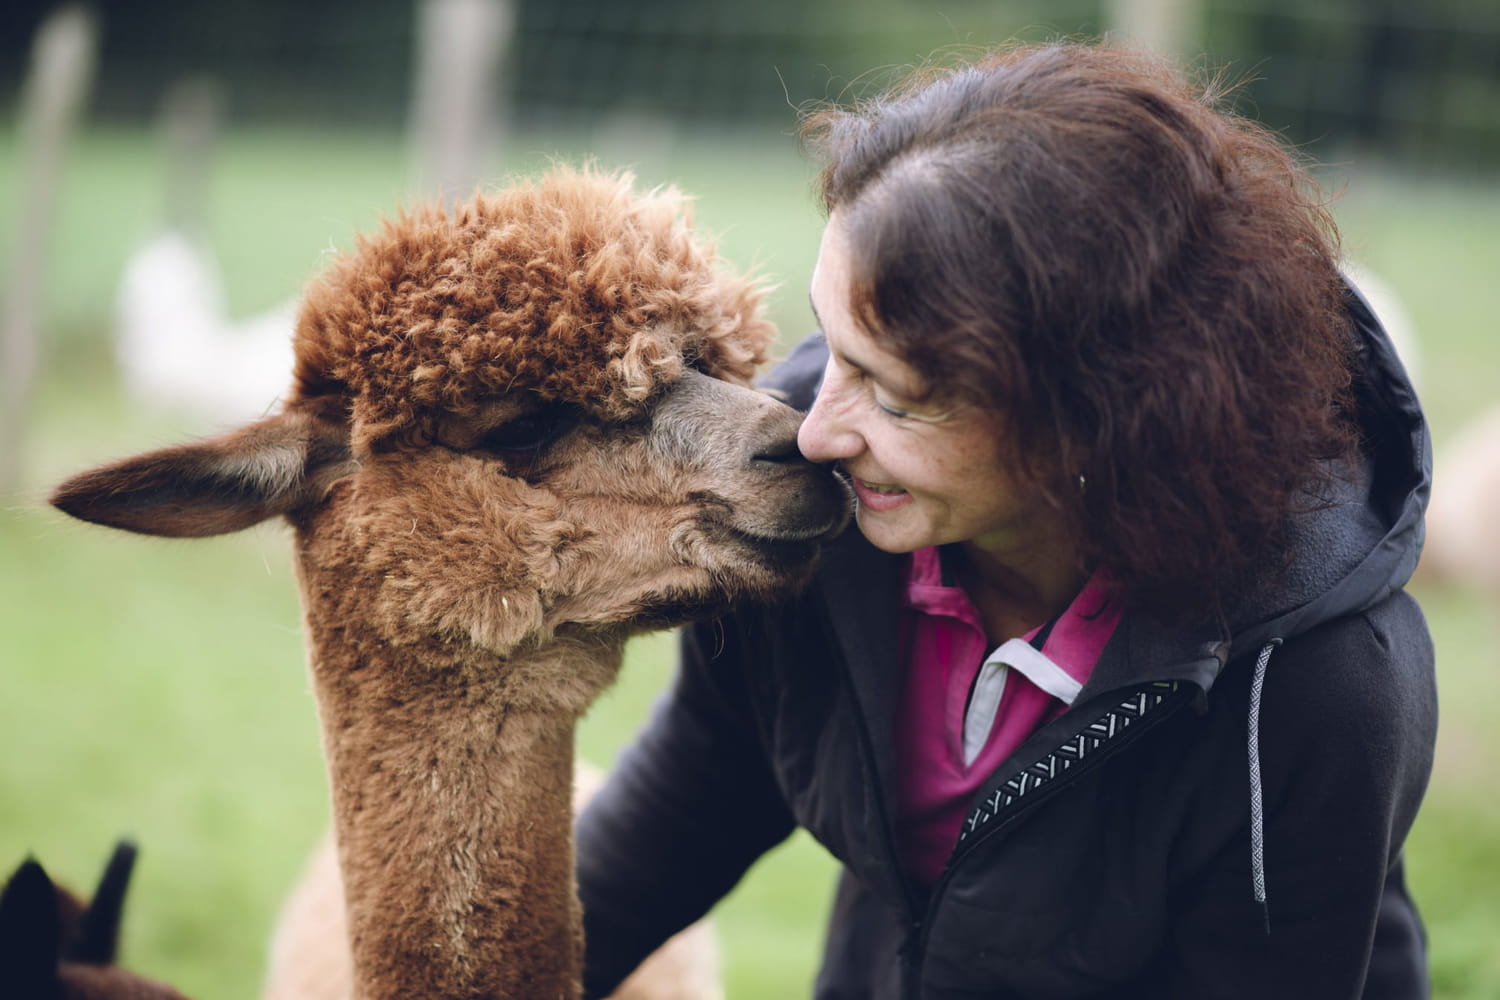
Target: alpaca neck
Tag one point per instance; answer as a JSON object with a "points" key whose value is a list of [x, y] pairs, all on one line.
{"points": [[451, 778]]}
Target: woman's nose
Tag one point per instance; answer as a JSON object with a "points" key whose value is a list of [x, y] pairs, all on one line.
{"points": [[826, 434]]}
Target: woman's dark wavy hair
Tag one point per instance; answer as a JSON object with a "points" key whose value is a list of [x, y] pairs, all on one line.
{"points": [[1143, 283]]}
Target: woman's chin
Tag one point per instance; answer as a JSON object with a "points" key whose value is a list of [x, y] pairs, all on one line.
{"points": [[880, 531]]}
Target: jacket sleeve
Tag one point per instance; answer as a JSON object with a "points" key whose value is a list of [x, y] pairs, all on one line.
{"points": [[685, 812], [1347, 726]]}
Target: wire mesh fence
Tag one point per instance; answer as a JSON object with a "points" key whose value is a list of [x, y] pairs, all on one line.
{"points": [[1420, 82]]}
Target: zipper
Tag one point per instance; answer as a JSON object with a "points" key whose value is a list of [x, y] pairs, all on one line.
{"points": [[1036, 787]]}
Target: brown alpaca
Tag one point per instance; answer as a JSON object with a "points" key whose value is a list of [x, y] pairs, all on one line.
{"points": [[516, 435], [53, 946]]}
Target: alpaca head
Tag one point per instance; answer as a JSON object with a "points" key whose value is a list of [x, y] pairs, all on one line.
{"points": [[54, 947], [526, 418]]}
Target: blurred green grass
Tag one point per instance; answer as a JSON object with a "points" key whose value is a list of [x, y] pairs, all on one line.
{"points": [[157, 689]]}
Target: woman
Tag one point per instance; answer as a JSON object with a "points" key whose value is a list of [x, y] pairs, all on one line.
{"points": [[1116, 691]]}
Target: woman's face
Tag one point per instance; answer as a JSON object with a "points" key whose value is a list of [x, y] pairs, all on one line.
{"points": [[925, 472]]}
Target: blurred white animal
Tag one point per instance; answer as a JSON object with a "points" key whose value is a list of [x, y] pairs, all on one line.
{"points": [[1393, 315], [176, 342], [1463, 519]]}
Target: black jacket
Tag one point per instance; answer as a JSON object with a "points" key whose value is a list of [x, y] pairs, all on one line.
{"points": [[1134, 847]]}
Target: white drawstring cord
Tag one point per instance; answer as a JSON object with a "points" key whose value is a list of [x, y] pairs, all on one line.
{"points": [[1257, 801]]}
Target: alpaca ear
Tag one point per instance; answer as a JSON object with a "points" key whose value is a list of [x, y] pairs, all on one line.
{"points": [[97, 936], [29, 932], [215, 486]]}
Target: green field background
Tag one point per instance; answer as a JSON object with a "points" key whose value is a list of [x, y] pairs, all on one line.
{"points": [[156, 689]]}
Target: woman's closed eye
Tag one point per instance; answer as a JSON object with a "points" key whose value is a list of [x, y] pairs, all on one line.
{"points": [[888, 407]]}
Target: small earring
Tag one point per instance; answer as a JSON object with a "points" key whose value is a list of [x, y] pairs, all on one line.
{"points": [[1083, 484]]}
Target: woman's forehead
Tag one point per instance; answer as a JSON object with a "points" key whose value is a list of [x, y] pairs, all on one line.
{"points": [[832, 299]]}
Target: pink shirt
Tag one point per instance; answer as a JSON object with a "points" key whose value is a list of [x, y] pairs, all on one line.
{"points": [[942, 757]]}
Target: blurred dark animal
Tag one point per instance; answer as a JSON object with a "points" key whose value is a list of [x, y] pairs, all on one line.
{"points": [[53, 946]]}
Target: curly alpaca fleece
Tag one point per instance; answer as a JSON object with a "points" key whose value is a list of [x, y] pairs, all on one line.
{"points": [[573, 287]]}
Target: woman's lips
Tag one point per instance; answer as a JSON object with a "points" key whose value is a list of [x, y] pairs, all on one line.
{"points": [[877, 497]]}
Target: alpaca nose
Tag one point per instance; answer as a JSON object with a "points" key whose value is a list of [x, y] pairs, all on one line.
{"points": [[780, 449], [772, 437]]}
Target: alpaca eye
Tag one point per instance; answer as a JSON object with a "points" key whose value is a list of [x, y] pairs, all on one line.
{"points": [[531, 431]]}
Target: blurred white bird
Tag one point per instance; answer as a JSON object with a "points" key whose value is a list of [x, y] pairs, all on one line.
{"points": [[177, 347]]}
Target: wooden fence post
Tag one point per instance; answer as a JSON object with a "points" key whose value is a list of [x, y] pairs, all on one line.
{"points": [[1171, 27], [455, 111], [61, 72]]}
